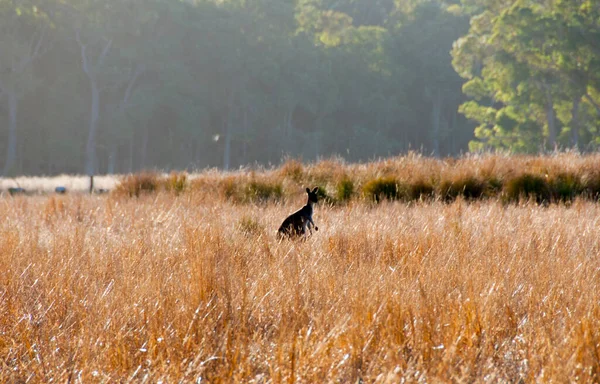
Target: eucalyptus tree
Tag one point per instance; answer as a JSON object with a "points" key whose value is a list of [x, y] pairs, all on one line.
{"points": [[149, 76], [423, 33], [25, 35], [107, 35], [530, 65]]}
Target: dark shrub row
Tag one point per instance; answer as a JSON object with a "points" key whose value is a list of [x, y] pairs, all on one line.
{"points": [[543, 189], [340, 186]]}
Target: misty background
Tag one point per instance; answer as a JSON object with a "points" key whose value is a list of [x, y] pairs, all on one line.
{"points": [[117, 86]]}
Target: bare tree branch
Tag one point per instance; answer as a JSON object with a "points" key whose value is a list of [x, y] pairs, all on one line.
{"points": [[84, 59], [593, 102], [104, 52], [138, 71], [34, 51]]}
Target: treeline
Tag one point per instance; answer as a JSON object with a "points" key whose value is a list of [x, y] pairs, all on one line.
{"points": [[118, 86]]}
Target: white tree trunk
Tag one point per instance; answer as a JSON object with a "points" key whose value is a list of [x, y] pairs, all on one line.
{"points": [[227, 150], [90, 149], [130, 163], [551, 118], [11, 149], [575, 122], [112, 159], [144, 149], [228, 125], [436, 112]]}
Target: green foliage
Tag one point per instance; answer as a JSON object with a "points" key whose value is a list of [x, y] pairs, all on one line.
{"points": [[419, 189], [229, 188], [565, 186], [16, 191], [531, 64], [189, 85], [528, 186], [262, 191], [344, 189], [195, 84], [560, 187], [493, 186], [324, 197], [590, 184], [468, 186], [382, 188], [475, 88], [512, 179], [176, 182], [250, 227]]}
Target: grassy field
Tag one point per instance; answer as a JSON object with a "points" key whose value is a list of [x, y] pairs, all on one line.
{"points": [[176, 286]]}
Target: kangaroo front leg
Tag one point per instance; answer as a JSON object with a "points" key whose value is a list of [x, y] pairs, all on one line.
{"points": [[313, 224], [304, 231]]}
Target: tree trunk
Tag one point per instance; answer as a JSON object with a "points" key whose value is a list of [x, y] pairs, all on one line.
{"points": [[227, 150], [90, 149], [228, 126], [288, 121], [593, 102], [575, 122], [550, 116], [436, 112], [144, 149], [11, 149], [246, 135], [130, 162], [112, 159]]}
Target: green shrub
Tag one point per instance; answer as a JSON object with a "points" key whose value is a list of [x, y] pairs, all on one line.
{"points": [[493, 187], [176, 182], [344, 190], [469, 187], [420, 189], [323, 196], [590, 185], [382, 188], [250, 227], [229, 188], [527, 186], [565, 187], [261, 192], [16, 191]]}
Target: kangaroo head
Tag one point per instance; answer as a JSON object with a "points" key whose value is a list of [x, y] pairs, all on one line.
{"points": [[312, 195]]}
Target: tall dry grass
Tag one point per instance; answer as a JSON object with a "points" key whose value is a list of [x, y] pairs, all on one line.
{"points": [[547, 179], [183, 288]]}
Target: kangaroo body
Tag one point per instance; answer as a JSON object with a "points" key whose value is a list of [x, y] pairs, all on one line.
{"points": [[295, 225]]}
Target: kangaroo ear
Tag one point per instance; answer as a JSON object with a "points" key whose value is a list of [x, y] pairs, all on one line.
{"points": [[307, 190], [315, 190]]}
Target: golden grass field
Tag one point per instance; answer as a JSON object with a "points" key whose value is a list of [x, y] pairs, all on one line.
{"points": [[184, 288]]}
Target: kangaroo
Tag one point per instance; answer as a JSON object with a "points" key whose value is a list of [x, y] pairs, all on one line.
{"points": [[295, 224]]}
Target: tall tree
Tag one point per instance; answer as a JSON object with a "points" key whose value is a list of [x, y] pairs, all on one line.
{"points": [[525, 63], [25, 37], [107, 34]]}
